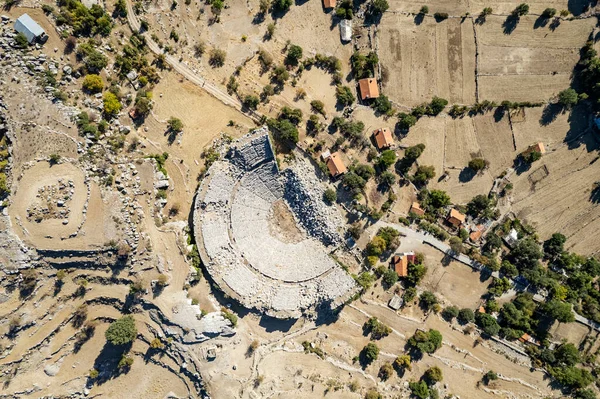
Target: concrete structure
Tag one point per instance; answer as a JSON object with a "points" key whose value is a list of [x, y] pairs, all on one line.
{"points": [[383, 138], [455, 218], [368, 88], [416, 209], [236, 224], [335, 164], [396, 302], [345, 30], [28, 27], [511, 238]]}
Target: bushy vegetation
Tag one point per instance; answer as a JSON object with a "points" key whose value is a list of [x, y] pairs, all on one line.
{"points": [[426, 341], [376, 328], [121, 331], [82, 20]]}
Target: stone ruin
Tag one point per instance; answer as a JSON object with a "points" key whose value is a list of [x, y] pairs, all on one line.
{"points": [[233, 217]]}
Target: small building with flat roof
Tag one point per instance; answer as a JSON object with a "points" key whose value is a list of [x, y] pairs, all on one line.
{"points": [[368, 88], [28, 27], [345, 30]]}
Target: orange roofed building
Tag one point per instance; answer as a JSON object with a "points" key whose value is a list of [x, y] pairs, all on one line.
{"points": [[400, 263], [368, 88], [383, 138], [335, 164], [537, 147], [455, 218], [416, 209], [329, 4]]}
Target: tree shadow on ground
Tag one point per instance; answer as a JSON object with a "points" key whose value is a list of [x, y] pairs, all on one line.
{"points": [[419, 19], [499, 114], [107, 362], [550, 113], [595, 194], [578, 7], [540, 22], [510, 24], [272, 324], [466, 175], [580, 132]]}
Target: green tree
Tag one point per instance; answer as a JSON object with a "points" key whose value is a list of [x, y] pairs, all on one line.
{"points": [[521, 10], [370, 353], [383, 105], [406, 121], [477, 164], [386, 371], [490, 376], [487, 323], [416, 272], [466, 316], [330, 195], [568, 98], [426, 342], [251, 101], [554, 246], [344, 95], [390, 277], [175, 124], [419, 389], [433, 375], [423, 174], [283, 5], [365, 171], [121, 331], [93, 83], [559, 310], [549, 13], [450, 312], [436, 106], [424, 10], [387, 159], [403, 362], [217, 58], [112, 105], [294, 54], [380, 6]]}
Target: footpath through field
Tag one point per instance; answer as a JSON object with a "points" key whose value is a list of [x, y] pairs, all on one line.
{"points": [[184, 70]]}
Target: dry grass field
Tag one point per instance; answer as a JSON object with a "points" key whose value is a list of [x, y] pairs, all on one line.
{"points": [[444, 52], [561, 201], [474, 7], [528, 63]]}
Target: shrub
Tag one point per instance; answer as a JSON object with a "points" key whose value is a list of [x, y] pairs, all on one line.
{"points": [[229, 316], [21, 40], [283, 5], [477, 164], [386, 371], [549, 12], [424, 10], [428, 299], [121, 331], [466, 315], [251, 101], [370, 353], [426, 342], [419, 389], [93, 83], [330, 195], [112, 105], [318, 106], [380, 6], [175, 124], [450, 312], [217, 58], [490, 376], [156, 343], [125, 363], [433, 375], [377, 329], [294, 54], [487, 323], [373, 394], [521, 10], [567, 98], [440, 16], [344, 95]]}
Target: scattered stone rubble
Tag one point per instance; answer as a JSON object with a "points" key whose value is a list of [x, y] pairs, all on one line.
{"points": [[53, 202], [231, 224]]}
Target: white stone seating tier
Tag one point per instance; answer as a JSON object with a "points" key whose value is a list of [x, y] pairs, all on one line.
{"points": [[231, 223]]}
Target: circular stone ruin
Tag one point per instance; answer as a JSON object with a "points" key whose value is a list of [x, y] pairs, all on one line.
{"points": [[265, 236]]}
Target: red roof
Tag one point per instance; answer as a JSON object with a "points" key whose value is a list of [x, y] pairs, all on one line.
{"points": [[335, 164], [329, 3], [368, 88], [383, 138]]}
